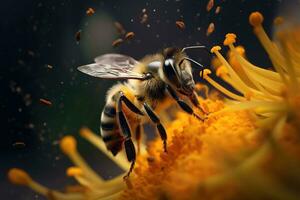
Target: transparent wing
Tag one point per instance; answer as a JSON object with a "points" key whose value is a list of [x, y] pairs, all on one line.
{"points": [[112, 66]]}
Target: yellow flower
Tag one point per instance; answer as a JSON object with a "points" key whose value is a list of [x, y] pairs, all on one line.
{"points": [[248, 148]]}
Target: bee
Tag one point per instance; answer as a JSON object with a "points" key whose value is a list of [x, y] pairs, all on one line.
{"points": [[146, 83]]}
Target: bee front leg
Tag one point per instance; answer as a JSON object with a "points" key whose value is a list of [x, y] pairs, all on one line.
{"points": [[183, 105], [194, 99], [155, 119]]}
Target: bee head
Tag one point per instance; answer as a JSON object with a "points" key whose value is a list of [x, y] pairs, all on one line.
{"points": [[177, 70]]}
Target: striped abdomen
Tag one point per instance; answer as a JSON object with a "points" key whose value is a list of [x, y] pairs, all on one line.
{"points": [[109, 129]]}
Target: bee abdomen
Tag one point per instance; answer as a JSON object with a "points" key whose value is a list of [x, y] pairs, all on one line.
{"points": [[109, 111], [109, 130]]}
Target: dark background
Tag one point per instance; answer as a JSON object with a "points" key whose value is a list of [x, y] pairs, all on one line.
{"points": [[35, 34]]}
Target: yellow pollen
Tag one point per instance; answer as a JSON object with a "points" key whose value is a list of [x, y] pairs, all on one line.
{"points": [[230, 39], [68, 144], [256, 19], [19, 177], [215, 49], [74, 171]]}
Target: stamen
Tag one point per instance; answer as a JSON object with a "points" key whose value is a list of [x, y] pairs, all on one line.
{"points": [[105, 188], [256, 20], [222, 72], [77, 173], [238, 84], [68, 146], [120, 160], [237, 66], [259, 82], [248, 105], [221, 88], [83, 181], [263, 72], [20, 177], [229, 39], [74, 171], [290, 67]]}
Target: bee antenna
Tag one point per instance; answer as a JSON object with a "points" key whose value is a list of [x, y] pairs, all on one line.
{"points": [[193, 61], [194, 47]]}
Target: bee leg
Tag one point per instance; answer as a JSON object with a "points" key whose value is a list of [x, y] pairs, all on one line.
{"points": [[183, 105], [131, 155], [155, 119], [129, 104], [133, 108], [194, 99], [129, 147], [138, 137], [125, 129]]}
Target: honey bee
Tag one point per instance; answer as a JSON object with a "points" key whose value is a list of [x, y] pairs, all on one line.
{"points": [[147, 83]]}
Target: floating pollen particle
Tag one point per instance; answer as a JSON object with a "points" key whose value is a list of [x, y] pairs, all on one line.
{"points": [[46, 102], [78, 36], [180, 25], [49, 66], [19, 145], [210, 5], [210, 29], [90, 11], [144, 18], [117, 42], [218, 9], [129, 35]]}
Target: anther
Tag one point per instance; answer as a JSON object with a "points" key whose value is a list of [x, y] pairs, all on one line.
{"points": [[74, 171], [19, 177], [68, 144], [256, 19], [230, 39], [215, 49], [206, 72]]}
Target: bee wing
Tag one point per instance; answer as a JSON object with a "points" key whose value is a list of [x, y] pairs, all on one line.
{"points": [[115, 58], [112, 66]]}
